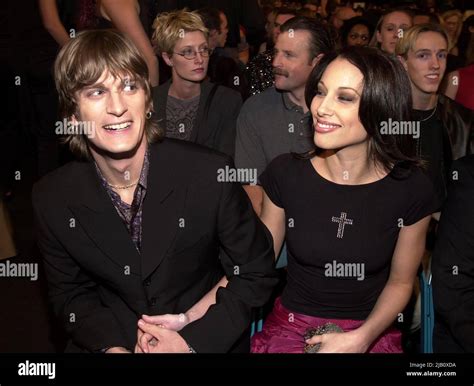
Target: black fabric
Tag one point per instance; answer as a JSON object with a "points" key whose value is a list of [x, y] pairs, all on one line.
{"points": [[453, 264], [431, 149], [312, 206], [99, 285]]}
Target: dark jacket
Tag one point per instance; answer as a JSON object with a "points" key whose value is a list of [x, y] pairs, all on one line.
{"points": [[216, 118], [453, 265], [459, 124], [100, 285]]}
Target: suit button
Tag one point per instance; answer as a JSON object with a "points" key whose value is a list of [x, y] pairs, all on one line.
{"points": [[152, 302], [147, 282]]}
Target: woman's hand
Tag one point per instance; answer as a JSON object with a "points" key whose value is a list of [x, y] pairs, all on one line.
{"points": [[340, 342]]}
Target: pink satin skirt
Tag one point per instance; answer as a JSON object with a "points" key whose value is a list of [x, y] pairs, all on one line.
{"points": [[283, 332]]}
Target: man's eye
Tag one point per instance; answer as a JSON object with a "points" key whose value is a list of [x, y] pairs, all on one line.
{"points": [[130, 87], [95, 93]]}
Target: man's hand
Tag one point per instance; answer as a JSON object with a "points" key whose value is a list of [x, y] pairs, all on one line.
{"points": [[156, 339], [175, 322], [117, 350]]}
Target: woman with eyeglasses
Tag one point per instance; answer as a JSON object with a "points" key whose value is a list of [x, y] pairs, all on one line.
{"points": [[188, 106]]}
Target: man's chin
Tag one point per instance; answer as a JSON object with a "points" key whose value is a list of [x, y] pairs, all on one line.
{"points": [[117, 153]]}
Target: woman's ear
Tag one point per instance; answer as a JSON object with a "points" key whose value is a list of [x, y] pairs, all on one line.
{"points": [[379, 36], [167, 58]]}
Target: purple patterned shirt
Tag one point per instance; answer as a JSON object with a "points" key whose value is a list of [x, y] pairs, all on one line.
{"points": [[131, 215]]}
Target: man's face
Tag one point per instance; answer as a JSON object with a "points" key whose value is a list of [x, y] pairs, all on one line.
{"points": [[116, 108], [279, 21], [192, 70], [391, 29], [426, 62], [292, 64]]}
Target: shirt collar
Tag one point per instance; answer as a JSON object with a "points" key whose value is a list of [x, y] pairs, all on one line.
{"points": [[290, 105]]}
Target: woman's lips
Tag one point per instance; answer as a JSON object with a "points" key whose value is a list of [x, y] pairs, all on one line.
{"points": [[325, 127]]}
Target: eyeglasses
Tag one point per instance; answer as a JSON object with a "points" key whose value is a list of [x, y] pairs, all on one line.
{"points": [[191, 54]]}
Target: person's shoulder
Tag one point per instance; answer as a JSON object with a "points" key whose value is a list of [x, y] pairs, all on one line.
{"points": [[189, 154], [448, 105], [227, 93], [267, 98], [59, 181], [462, 170], [285, 164]]}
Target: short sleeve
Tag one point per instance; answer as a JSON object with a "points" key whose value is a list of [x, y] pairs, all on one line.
{"points": [[422, 199], [273, 179]]}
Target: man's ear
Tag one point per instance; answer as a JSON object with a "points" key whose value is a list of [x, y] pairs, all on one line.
{"points": [[167, 58], [403, 61], [316, 60]]}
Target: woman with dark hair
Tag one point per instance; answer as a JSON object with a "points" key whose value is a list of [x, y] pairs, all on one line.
{"points": [[354, 212], [356, 32]]}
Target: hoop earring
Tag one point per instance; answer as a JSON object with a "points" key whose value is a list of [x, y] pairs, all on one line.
{"points": [[148, 115]]}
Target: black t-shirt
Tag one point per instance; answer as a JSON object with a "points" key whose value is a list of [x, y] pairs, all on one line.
{"points": [[341, 238], [431, 149]]}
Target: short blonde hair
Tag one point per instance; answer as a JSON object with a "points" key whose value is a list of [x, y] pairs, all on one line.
{"points": [[169, 27], [82, 61], [410, 36], [446, 15]]}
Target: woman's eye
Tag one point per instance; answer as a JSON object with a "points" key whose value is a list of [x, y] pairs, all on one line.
{"points": [[319, 93], [345, 98]]}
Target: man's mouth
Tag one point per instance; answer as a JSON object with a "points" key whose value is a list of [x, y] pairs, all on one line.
{"points": [[118, 126]]}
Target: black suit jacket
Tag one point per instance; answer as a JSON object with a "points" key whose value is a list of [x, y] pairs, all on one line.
{"points": [[100, 285], [453, 264], [216, 120]]}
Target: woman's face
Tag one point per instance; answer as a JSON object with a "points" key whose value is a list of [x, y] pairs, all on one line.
{"points": [[452, 25], [193, 70], [335, 108], [393, 26], [358, 36]]}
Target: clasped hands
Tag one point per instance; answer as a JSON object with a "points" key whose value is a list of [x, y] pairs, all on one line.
{"points": [[159, 334]]}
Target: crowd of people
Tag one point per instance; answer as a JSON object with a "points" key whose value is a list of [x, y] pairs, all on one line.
{"points": [[222, 134]]}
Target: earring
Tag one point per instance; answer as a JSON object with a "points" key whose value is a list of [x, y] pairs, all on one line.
{"points": [[148, 115]]}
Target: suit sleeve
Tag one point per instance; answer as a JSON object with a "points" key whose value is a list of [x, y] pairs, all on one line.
{"points": [[73, 293], [248, 261], [453, 257]]}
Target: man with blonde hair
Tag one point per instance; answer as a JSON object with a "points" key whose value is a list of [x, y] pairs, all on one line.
{"points": [[446, 128], [135, 228]]}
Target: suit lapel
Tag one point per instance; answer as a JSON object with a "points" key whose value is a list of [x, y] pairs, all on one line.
{"points": [[162, 211], [94, 210]]}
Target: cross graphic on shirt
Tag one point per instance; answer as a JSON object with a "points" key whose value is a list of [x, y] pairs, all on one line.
{"points": [[343, 220]]}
